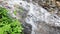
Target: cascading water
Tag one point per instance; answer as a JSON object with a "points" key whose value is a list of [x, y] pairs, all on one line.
{"points": [[35, 13]]}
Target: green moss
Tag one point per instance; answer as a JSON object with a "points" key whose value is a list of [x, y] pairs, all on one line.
{"points": [[21, 9], [15, 12], [9, 25]]}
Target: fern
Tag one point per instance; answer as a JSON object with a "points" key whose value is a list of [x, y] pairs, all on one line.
{"points": [[9, 25]]}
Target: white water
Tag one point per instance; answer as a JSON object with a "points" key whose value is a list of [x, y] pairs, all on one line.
{"points": [[36, 13]]}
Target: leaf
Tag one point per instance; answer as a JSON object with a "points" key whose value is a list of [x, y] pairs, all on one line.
{"points": [[9, 24]]}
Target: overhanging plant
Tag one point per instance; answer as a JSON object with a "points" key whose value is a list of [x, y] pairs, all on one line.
{"points": [[9, 25]]}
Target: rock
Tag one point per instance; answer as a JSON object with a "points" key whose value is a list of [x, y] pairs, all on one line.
{"points": [[58, 3], [35, 23], [27, 28]]}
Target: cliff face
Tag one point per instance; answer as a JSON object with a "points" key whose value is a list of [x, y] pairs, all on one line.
{"points": [[53, 6], [37, 16]]}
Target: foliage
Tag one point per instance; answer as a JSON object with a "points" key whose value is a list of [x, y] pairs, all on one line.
{"points": [[9, 25], [15, 12]]}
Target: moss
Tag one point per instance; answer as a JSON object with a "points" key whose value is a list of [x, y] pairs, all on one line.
{"points": [[9, 25], [21, 9], [15, 12]]}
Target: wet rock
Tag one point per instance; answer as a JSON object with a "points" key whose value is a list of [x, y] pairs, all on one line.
{"points": [[27, 0], [27, 28], [52, 6], [34, 19]]}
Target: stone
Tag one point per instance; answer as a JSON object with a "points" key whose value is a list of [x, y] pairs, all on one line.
{"points": [[27, 28], [36, 13]]}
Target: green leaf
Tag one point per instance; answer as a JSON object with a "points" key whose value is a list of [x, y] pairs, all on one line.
{"points": [[9, 24]]}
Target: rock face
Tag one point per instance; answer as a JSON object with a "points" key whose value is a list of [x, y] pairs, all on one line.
{"points": [[27, 28], [52, 6], [37, 16]]}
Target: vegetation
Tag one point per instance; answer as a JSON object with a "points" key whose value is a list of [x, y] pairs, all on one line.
{"points": [[9, 25], [15, 12]]}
